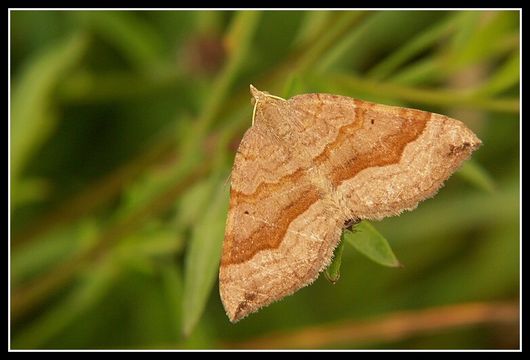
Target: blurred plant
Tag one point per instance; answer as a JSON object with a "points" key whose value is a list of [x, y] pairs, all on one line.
{"points": [[123, 126]]}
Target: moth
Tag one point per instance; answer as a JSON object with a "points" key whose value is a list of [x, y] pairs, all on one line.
{"points": [[310, 164]]}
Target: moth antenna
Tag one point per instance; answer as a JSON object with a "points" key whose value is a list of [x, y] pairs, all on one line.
{"points": [[258, 95]]}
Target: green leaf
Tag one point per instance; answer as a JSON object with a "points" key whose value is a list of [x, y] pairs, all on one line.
{"points": [[332, 273], [193, 202], [32, 114], [368, 241], [173, 289], [202, 258], [477, 175]]}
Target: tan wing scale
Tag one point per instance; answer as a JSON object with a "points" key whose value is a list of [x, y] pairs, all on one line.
{"points": [[310, 163]]}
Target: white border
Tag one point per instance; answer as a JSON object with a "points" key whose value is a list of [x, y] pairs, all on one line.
{"points": [[257, 9]]}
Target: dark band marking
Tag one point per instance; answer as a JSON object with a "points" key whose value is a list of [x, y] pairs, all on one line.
{"points": [[270, 235], [413, 124], [267, 236]]}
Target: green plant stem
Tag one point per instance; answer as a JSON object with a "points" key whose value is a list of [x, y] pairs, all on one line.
{"points": [[391, 327], [89, 88], [109, 187], [446, 98], [331, 43], [30, 295], [239, 40], [95, 194], [414, 47], [68, 308], [324, 41]]}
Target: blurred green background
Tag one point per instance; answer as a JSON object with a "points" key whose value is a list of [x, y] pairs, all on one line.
{"points": [[124, 126]]}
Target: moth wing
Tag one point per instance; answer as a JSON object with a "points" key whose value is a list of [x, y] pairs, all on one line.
{"points": [[279, 234], [415, 153]]}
